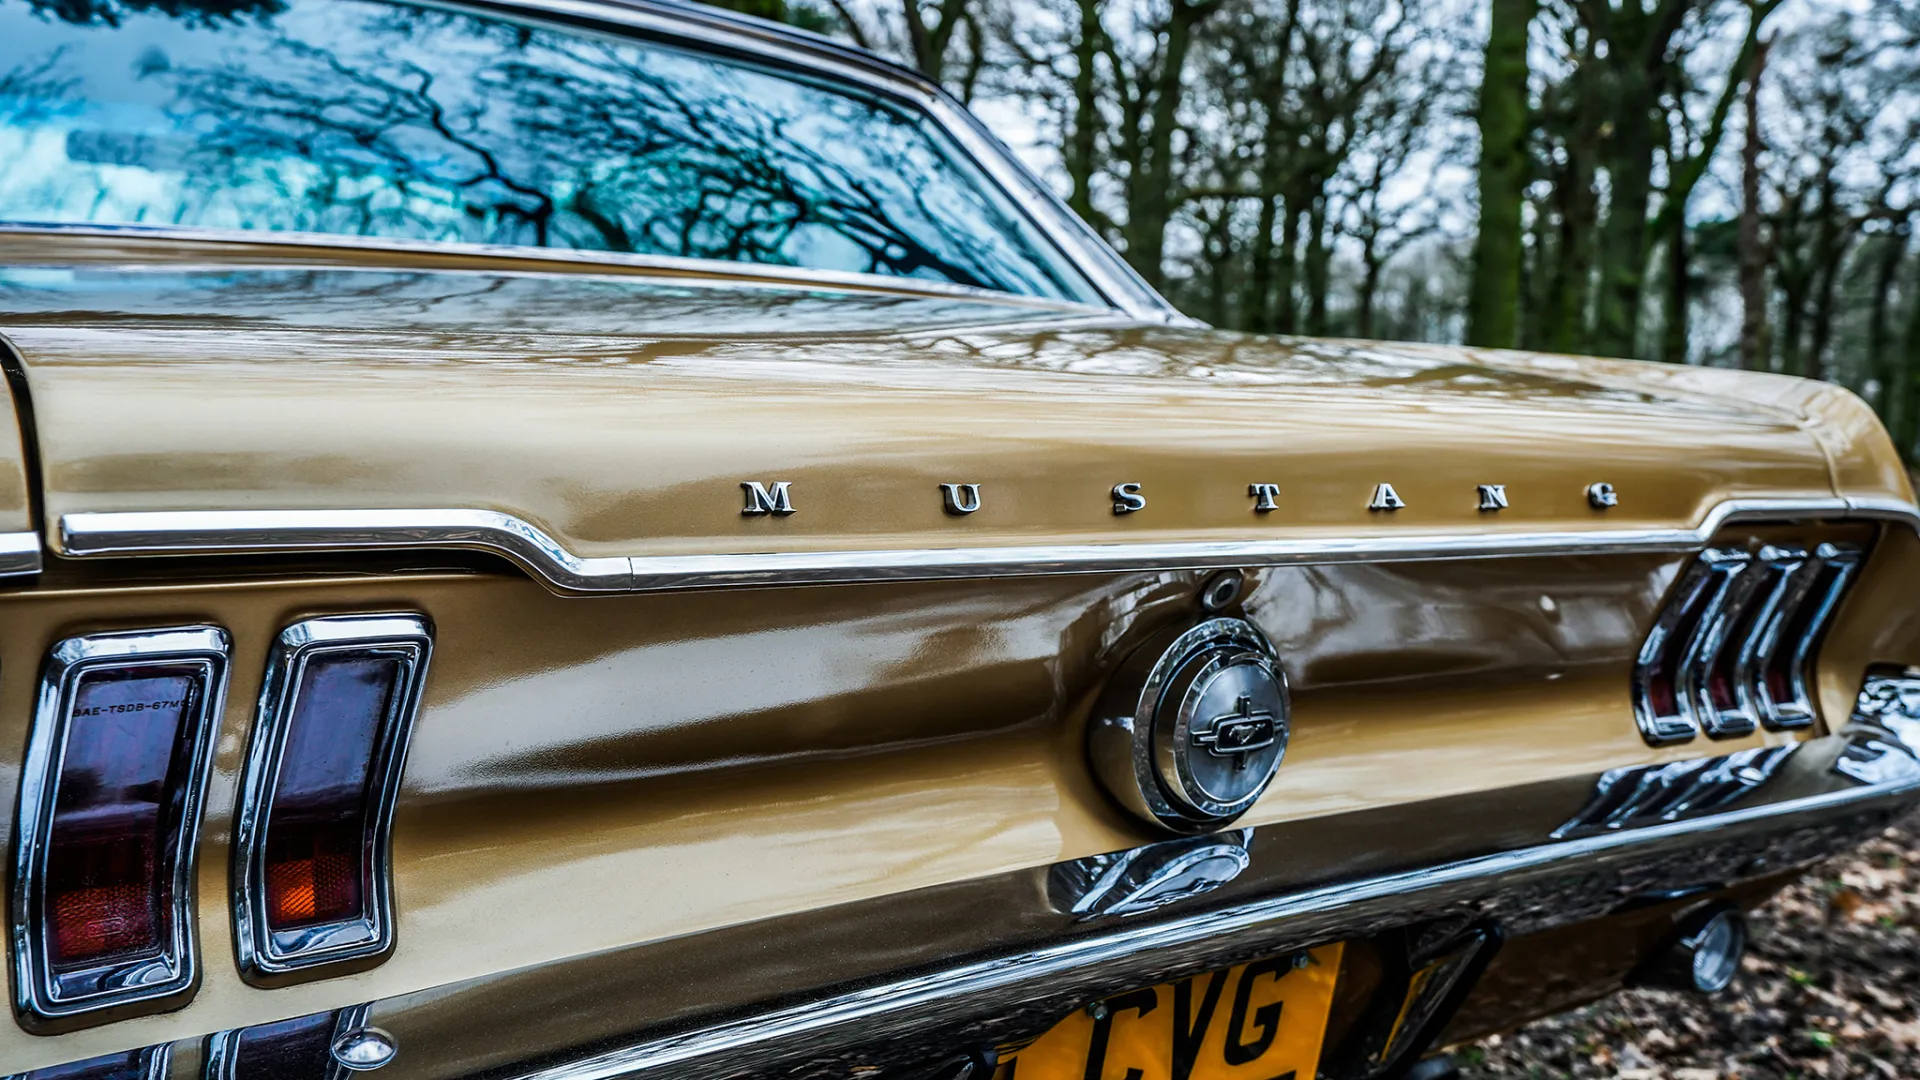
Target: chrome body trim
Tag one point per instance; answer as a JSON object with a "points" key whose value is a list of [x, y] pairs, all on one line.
{"points": [[237, 531], [1782, 566], [681, 270], [1642, 795], [1837, 564], [209, 532], [897, 1008], [221, 1060], [1734, 625], [1146, 727], [262, 950], [152, 981], [155, 1063], [20, 554]]}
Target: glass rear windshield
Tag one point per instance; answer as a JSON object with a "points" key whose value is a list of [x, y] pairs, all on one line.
{"points": [[396, 122]]}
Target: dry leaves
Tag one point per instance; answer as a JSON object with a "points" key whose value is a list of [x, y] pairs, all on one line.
{"points": [[1829, 990]]}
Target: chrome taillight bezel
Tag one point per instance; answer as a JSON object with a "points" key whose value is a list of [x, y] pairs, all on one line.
{"points": [[1821, 584], [1736, 620], [1675, 644], [261, 950], [40, 993], [223, 1049]]}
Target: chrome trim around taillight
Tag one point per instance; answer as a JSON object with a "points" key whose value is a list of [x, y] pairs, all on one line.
{"points": [[262, 950], [1799, 627], [223, 1054], [1734, 647], [40, 992]]}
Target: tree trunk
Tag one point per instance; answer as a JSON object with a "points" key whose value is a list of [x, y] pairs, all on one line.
{"points": [[1272, 176], [1285, 319], [1906, 426], [1493, 301], [1623, 251], [1753, 253], [1638, 70], [1082, 143], [1880, 359], [1535, 280], [1260, 300], [1370, 263], [1832, 236], [1674, 334], [1318, 255], [1152, 200], [1566, 307]]}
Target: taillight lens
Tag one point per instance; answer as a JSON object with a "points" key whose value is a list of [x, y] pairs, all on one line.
{"points": [[317, 808], [109, 810], [316, 826]]}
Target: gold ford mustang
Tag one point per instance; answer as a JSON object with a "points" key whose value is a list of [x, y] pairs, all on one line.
{"points": [[574, 539]]}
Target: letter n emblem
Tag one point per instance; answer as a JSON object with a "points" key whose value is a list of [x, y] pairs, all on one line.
{"points": [[760, 500]]}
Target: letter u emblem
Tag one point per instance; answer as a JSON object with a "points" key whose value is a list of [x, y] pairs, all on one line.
{"points": [[960, 498]]}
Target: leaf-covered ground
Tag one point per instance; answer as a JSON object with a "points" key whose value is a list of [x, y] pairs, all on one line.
{"points": [[1831, 988]]}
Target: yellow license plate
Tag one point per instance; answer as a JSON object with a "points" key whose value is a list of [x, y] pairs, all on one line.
{"points": [[1258, 1021]]}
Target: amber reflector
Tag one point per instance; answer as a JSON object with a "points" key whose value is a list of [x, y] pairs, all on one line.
{"points": [[120, 794], [316, 850]]}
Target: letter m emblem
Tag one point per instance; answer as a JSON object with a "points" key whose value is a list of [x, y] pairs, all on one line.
{"points": [[761, 500]]}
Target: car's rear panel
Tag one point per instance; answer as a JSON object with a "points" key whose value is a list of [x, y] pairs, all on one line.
{"points": [[714, 823]]}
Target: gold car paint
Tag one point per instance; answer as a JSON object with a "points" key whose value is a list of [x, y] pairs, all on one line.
{"points": [[617, 437], [591, 772], [16, 505]]}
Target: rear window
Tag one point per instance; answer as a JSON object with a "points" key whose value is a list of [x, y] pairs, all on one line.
{"points": [[395, 122]]}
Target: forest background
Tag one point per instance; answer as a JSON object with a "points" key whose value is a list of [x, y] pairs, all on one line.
{"points": [[1722, 182]]}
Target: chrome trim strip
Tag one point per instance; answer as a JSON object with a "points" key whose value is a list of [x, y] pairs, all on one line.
{"points": [[261, 950], [735, 1038], [221, 1060], [173, 973], [155, 1063], [19, 554], [196, 532], [680, 270], [236, 531]]}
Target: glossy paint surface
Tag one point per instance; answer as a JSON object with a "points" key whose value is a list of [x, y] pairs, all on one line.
{"points": [[623, 416], [594, 773], [16, 508]]}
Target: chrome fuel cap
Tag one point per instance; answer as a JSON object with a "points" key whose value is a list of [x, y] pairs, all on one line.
{"points": [[1193, 726]]}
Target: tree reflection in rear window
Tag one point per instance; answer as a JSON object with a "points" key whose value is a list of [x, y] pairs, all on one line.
{"points": [[377, 120]]}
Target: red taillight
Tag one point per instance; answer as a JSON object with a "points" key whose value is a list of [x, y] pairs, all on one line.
{"points": [[109, 807], [127, 735], [316, 825], [314, 817]]}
